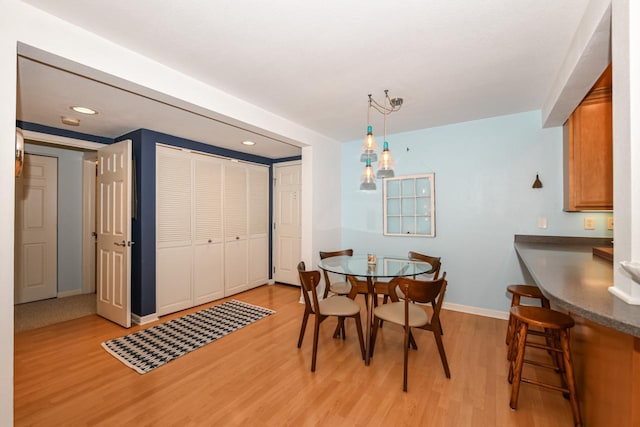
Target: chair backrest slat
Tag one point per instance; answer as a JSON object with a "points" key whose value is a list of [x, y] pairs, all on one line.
{"points": [[433, 261], [424, 291], [309, 281]]}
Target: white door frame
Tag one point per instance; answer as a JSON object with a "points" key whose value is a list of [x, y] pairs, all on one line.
{"points": [[275, 247], [64, 141], [89, 223]]}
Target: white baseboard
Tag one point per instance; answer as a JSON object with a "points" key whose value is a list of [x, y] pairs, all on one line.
{"points": [[143, 320], [496, 314], [65, 294]]}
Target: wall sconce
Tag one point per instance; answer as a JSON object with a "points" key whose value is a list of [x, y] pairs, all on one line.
{"points": [[19, 151], [537, 183]]}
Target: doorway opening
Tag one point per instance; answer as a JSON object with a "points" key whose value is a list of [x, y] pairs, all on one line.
{"points": [[62, 204]]}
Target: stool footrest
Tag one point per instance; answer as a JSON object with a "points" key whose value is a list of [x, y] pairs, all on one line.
{"points": [[541, 365], [543, 346], [541, 384]]}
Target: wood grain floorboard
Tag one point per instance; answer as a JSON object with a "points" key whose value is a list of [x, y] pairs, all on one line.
{"points": [[257, 377]]}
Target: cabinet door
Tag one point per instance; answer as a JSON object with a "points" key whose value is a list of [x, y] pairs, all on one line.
{"points": [[235, 229], [588, 151], [258, 188], [258, 261], [208, 248], [173, 231], [235, 267], [592, 159]]}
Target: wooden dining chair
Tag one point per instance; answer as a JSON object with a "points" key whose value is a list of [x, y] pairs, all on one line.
{"points": [[337, 287], [412, 316], [433, 273], [337, 306]]}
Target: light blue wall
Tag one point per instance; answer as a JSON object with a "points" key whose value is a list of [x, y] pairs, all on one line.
{"points": [[69, 214], [484, 170]]}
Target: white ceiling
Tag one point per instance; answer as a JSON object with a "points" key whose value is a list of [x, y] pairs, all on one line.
{"points": [[314, 62]]}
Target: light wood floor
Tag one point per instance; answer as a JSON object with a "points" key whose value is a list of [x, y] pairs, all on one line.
{"points": [[257, 376]]}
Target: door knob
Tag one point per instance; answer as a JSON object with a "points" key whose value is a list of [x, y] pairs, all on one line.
{"points": [[123, 243]]}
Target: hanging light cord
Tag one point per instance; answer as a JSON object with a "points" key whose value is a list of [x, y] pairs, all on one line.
{"points": [[394, 104]]}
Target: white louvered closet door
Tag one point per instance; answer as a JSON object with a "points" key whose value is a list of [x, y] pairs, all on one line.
{"points": [[173, 230], [235, 228], [258, 187], [208, 249]]}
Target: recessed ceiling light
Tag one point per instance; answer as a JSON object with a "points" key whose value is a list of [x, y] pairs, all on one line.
{"points": [[84, 110], [248, 143], [70, 121]]}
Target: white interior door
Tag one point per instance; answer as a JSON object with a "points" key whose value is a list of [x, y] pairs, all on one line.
{"points": [[114, 233], [287, 233], [36, 230]]}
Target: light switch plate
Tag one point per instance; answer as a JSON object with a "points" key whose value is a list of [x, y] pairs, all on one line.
{"points": [[542, 222], [609, 223], [589, 223]]}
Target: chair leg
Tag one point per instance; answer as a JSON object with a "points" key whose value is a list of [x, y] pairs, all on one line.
{"points": [[344, 333], [433, 304], [360, 334], [316, 332], [384, 301], [407, 332], [338, 331], [519, 360], [412, 341], [443, 355], [571, 382], [305, 317], [374, 335]]}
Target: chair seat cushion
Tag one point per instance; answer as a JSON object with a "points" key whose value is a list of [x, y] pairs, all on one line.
{"points": [[340, 288], [394, 313], [338, 306]]}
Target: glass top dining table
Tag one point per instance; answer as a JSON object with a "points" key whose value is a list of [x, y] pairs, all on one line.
{"points": [[384, 267], [359, 265]]}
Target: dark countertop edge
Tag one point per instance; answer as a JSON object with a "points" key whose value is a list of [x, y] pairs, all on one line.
{"points": [[604, 320], [564, 240]]}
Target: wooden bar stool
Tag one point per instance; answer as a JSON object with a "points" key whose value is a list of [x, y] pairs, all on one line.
{"points": [[558, 324], [517, 292]]}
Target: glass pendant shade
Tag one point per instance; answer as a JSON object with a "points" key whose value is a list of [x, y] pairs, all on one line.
{"points": [[368, 178], [369, 148], [385, 166]]}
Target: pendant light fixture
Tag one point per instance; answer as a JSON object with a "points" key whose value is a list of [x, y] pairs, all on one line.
{"points": [[385, 166], [368, 177], [369, 147]]}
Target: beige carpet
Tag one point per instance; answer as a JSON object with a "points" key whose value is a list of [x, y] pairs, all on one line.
{"points": [[37, 314]]}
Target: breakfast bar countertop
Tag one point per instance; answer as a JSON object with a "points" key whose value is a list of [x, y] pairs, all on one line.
{"points": [[568, 273]]}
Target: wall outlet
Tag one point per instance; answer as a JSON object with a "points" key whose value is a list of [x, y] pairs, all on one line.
{"points": [[609, 223], [589, 223]]}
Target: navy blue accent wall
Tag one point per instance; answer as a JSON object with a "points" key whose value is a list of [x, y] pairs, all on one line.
{"points": [[287, 159], [62, 132], [204, 148], [143, 226]]}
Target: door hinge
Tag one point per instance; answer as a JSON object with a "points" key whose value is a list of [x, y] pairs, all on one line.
{"points": [[274, 225], [274, 269]]}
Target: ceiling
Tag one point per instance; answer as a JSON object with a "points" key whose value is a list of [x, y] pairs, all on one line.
{"points": [[314, 63]]}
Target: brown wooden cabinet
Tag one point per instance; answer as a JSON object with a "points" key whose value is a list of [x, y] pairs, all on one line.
{"points": [[588, 151]]}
